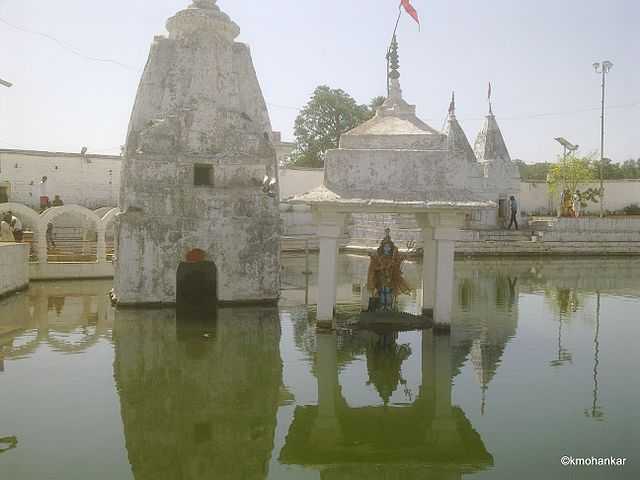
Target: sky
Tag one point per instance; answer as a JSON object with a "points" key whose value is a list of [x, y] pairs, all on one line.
{"points": [[538, 55]]}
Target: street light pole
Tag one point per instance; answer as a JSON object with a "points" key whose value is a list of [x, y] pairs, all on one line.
{"points": [[4, 83], [602, 69]]}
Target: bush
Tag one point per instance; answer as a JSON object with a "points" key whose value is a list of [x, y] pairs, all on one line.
{"points": [[633, 209]]}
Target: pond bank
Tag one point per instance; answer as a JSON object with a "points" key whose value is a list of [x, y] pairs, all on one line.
{"points": [[14, 258]]}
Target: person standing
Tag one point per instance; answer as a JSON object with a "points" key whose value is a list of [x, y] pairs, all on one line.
{"points": [[5, 230], [513, 204], [16, 227], [44, 194], [576, 204], [50, 240]]}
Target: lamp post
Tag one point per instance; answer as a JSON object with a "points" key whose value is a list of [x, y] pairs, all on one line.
{"points": [[602, 69], [567, 146], [4, 83]]}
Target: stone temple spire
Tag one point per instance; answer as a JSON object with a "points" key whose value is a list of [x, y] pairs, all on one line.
{"points": [[395, 104], [457, 142], [393, 75], [490, 144], [203, 18], [204, 4]]}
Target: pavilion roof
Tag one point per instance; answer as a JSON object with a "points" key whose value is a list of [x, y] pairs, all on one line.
{"points": [[457, 199]]}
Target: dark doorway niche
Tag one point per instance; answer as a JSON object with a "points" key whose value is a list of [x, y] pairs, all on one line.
{"points": [[197, 285]]}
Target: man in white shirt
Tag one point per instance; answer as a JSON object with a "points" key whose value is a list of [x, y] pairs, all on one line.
{"points": [[5, 230], [16, 226]]}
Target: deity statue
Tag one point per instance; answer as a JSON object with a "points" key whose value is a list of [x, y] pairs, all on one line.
{"points": [[384, 280]]}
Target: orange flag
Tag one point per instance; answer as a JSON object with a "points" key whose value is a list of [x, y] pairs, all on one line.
{"points": [[413, 13]]}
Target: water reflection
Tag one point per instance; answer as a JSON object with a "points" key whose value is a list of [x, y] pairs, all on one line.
{"points": [[8, 443], [198, 394], [485, 321], [68, 317], [425, 436], [596, 412], [204, 396], [384, 364]]}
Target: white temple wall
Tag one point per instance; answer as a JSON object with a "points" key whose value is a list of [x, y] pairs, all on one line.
{"points": [[536, 199], [14, 265], [383, 172], [92, 181], [295, 181]]}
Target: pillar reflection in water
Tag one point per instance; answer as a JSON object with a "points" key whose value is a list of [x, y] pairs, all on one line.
{"points": [[69, 317], [198, 394], [424, 437]]}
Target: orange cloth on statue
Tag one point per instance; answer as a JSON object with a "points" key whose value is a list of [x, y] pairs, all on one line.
{"points": [[385, 271]]}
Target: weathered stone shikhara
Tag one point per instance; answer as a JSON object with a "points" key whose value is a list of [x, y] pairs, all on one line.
{"points": [[197, 218], [397, 164]]}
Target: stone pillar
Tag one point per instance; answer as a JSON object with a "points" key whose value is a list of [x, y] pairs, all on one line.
{"points": [[428, 271], [101, 249], [41, 243], [364, 297], [445, 240], [329, 231], [439, 233]]}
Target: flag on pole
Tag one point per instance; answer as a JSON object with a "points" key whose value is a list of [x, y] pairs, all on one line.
{"points": [[413, 13], [489, 100]]}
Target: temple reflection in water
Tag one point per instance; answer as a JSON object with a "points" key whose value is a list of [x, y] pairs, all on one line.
{"points": [[198, 395], [426, 436], [257, 393]]}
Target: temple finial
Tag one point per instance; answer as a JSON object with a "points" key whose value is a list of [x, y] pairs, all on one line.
{"points": [[452, 105], [204, 4], [393, 72], [394, 59]]}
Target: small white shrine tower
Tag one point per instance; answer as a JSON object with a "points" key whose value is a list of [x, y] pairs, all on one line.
{"points": [[199, 221]]}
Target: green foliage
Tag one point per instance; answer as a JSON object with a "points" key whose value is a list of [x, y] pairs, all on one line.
{"points": [[329, 114], [633, 209], [569, 173], [588, 195], [629, 169], [376, 102], [533, 171]]}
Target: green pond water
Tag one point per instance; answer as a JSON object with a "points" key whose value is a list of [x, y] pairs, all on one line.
{"points": [[542, 361]]}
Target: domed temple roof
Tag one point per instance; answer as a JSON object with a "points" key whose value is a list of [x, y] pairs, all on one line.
{"points": [[395, 161], [396, 121]]}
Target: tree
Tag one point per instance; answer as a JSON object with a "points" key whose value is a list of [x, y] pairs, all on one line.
{"points": [[318, 128], [570, 172], [629, 169], [533, 171], [376, 102]]}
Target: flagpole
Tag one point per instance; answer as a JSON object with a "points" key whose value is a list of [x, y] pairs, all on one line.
{"points": [[395, 30]]}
